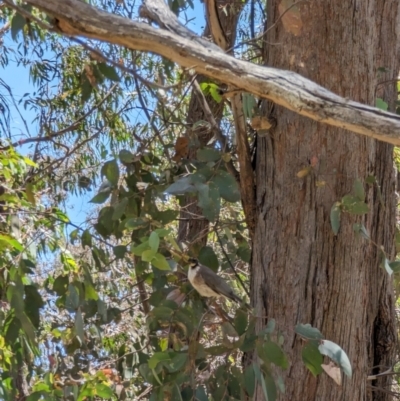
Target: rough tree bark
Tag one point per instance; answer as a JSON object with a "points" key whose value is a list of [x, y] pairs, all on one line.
{"points": [[302, 272]]}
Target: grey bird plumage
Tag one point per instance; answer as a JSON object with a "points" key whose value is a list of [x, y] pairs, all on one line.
{"points": [[209, 284]]}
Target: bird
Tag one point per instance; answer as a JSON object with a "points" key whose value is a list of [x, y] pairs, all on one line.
{"points": [[209, 284]]}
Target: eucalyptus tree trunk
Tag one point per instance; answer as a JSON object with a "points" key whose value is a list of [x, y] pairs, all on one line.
{"points": [[302, 271], [193, 227]]}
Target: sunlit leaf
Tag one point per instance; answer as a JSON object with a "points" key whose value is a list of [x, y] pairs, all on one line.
{"points": [[160, 262], [380, 104], [337, 354], [104, 391], [154, 241]]}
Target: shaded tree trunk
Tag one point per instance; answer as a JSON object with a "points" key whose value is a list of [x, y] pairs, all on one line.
{"points": [[302, 272], [193, 227]]}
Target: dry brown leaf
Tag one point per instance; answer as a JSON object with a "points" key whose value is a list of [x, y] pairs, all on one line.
{"points": [[291, 20], [304, 172], [181, 149], [333, 372], [89, 75], [260, 122], [176, 296], [314, 161]]}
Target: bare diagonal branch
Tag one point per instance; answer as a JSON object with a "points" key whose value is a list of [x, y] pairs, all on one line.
{"points": [[288, 89]]}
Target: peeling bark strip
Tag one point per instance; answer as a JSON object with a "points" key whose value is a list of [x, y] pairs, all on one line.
{"points": [[215, 25], [286, 88]]}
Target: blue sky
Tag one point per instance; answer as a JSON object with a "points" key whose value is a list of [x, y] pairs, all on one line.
{"points": [[17, 78]]}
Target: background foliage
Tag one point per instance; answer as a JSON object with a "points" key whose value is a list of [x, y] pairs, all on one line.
{"points": [[100, 307]]}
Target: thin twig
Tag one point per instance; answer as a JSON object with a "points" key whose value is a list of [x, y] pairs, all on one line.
{"points": [[229, 261]]}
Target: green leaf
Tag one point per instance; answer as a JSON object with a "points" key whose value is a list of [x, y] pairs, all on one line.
{"points": [[126, 157], [358, 190], [158, 357], [308, 332], [154, 241], [60, 285], [108, 71], [335, 217], [162, 312], [103, 391], [111, 171], [7, 241], [217, 350], [249, 103], [86, 88], [11, 328], [395, 266], [181, 186], [249, 343], [208, 258], [371, 179], [386, 264], [135, 223], [380, 104], [249, 380], [119, 209], [337, 354], [352, 205], [33, 303], [261, 379], [270, 386], [29, 193], [312, 358], [270, 327], [209, 200], [166, 216], [208, 155], [275, 354], [138, 250], [244, 252], [86, 238], [35, 396], [72, 301], [17, 24], [200, 394], [360, 229], [240, 322], [79, 325], [178, 361], [160, 262], [90, 292], [214, 92], [227, 186], [101, 197], [119, 251], [147, 256]]}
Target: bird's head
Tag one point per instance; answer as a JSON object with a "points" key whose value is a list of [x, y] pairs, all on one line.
{"points": [[193, 263]]}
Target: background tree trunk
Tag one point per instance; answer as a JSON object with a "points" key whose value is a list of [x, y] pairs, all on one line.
{"points": [[193, 227], [302, 272]]}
